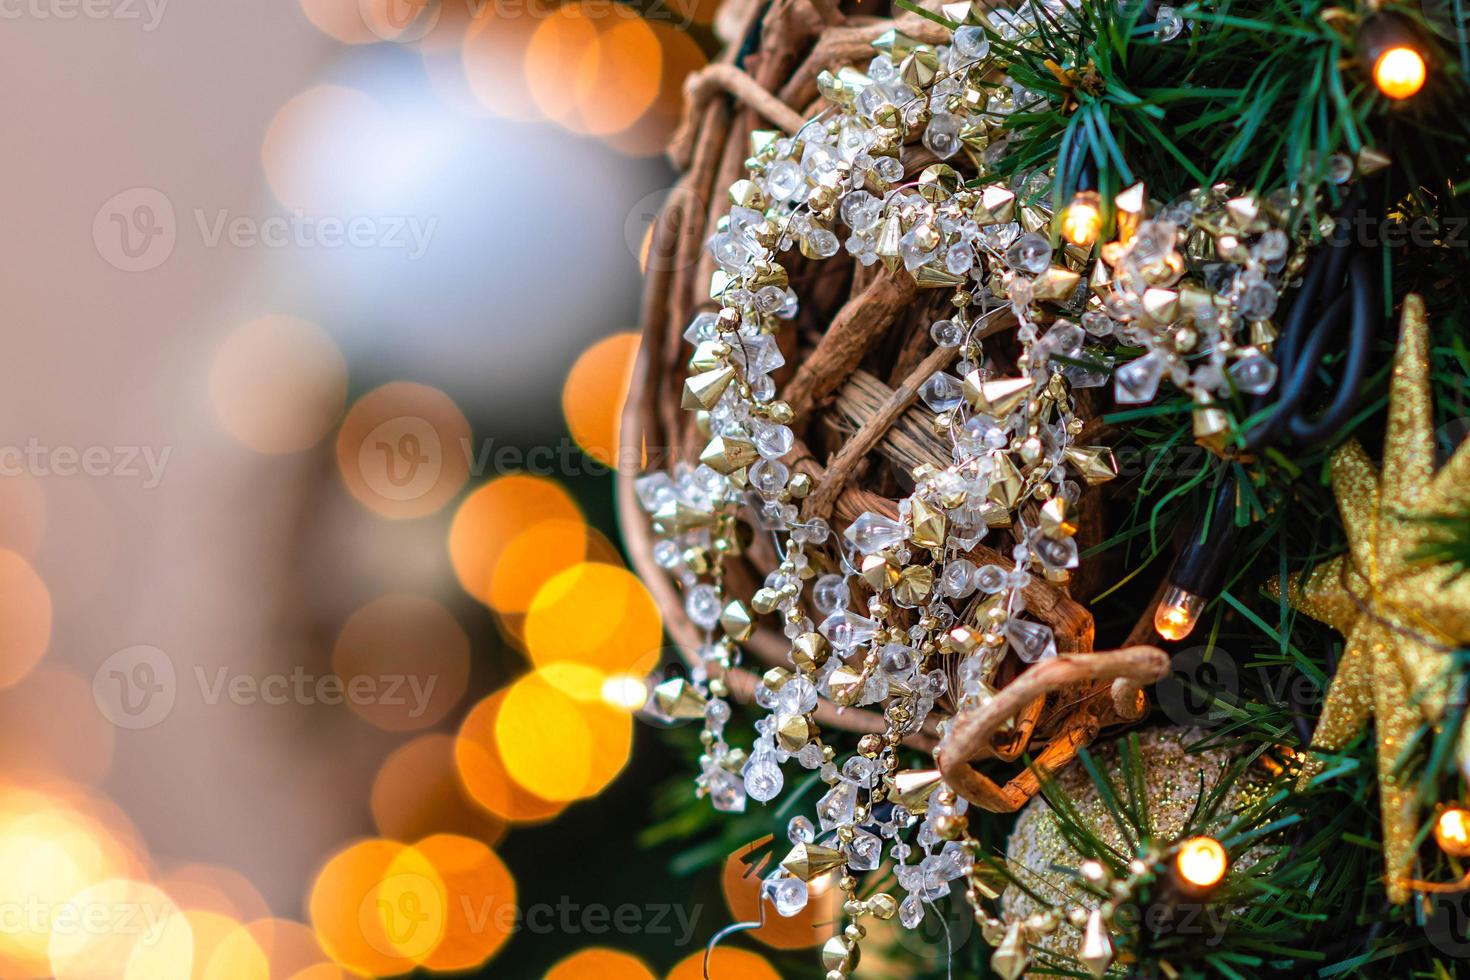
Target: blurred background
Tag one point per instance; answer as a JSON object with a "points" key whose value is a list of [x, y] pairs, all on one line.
{"points": [[318, 653]]}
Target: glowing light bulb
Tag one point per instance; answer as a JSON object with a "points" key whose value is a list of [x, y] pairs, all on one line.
{"points": [[1399, 72], [1452, 831], [1082, 221], [1201, 862], [1177, 613]]}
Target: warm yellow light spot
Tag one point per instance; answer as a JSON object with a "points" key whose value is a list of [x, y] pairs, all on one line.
{"points": [[132, 931], [404, 450], [1399, 72], [494, 57], [625, 691], [681, 56], [480, 913], [1082, 221], [403, 660], [812, 926], [493, 516], [1201, 861], [1177, 613], [593, 396], [289, 946], [558, 738], [1452, 831], [237, 955], [726, 963], [618, 79], [600, 964], [483, 772], [418, 792], [534, 556], [350, 925], [594, 614], [278, 384], [408, 907]]}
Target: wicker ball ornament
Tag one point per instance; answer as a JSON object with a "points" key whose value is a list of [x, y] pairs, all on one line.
{"points": [[856, 356]]}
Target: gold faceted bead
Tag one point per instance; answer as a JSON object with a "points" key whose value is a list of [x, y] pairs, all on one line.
{"points": [[840, 953], [914, 584], [870, 745], [809, 651], [800, 485], [854, 932], [780, 412], [794, 731], [765, 600], [883, 905], [776, 678], [951, 826]]}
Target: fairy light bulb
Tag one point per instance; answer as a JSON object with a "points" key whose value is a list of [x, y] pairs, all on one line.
{"points": [[1399, 72], [1201, 862], [1452, 831], [1177, 613], [1082, 221]]}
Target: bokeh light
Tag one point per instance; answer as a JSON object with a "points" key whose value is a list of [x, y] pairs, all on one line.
{"points": [[408, 658], [312, 137], [215, 888], [494, 55], [726, 963], [418, 792], [23, 513], [340, 20], [496, 514], [402, 450], [50, 852], [49, 724], [480, 901], [369, 923], [618, 80], [593, 396], [224, 949], [136, 932], [561, 44], [484, 773], [811, 926], [597, 963], [681, 56], [289, 947], [594, 614], [558, 737], [278, 384], [25, 617]]}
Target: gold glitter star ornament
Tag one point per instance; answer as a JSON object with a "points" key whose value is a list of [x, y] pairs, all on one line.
{"points": [[1401, 617]]}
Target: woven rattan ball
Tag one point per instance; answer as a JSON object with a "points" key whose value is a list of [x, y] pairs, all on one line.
{"points": [[855, 354]]}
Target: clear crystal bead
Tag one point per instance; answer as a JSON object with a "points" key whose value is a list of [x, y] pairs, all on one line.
{"points": [[911, 911], [726, 791], [846, 629], [990, 578], [864, 851], [1254, 374], [763, 778], [1138, 380], [1167, 23], [958, 579], [788, 894], [1029, 253], [797, 696], [702, 605], [942, 392], [972, 42], [837, 807], [872, 533], [947, 333], [1031, 641], [830, 593], [942, 135], [800, 830]]}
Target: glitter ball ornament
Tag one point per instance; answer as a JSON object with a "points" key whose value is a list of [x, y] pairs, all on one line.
{"points": [[1038, 852]]}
